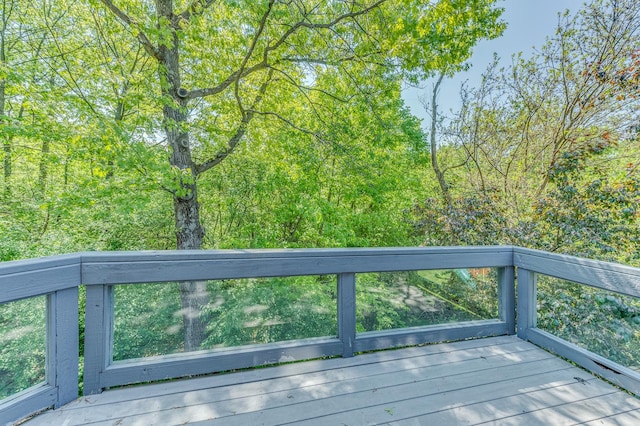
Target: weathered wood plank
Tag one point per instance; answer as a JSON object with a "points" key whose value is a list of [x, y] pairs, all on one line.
{"points": [[421, 372], [371, 404], [304, 396], [96, 340], [27, 402], [354, 252], [624, 418], [473, 405], [62, 344], [567, 412], [507, 297], [463, 382], [452, 351], [347, 312], [527, 303], [312, 385], [206, 362]]}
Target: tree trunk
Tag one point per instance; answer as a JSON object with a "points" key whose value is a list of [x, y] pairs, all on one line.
{"points": [[434, 145], [6, 143], [43, 168], [6, 146], [189, 230]]}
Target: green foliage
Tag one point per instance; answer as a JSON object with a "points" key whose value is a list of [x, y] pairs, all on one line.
{"points": [[252, 311], [147, 320], [468, 220], [22, 345], [327, 155], [407, 299], [600, 321], [440, 35], [593, 208]]}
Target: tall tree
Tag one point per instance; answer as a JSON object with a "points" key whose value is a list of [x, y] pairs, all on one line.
{"points": [[221, 64], [526, 125]]}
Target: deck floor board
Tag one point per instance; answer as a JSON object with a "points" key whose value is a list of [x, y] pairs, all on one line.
{"points": [[500, 380]]}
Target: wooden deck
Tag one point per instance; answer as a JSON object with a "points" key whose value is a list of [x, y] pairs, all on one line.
{"points": [[501, 380]]}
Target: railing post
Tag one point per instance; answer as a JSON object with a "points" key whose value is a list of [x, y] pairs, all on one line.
{"points": [[97, 335], [527, 301], [347, 312], [62, 344], [507, 297]]}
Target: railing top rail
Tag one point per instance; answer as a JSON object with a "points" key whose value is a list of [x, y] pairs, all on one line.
{"points": [[32, 277], [135, 267], [595, 273], [152, 255], [27, 265], [21, 279]]}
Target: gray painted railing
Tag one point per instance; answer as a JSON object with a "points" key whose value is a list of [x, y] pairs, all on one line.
{"points": [[603, 275], [58, 278]]}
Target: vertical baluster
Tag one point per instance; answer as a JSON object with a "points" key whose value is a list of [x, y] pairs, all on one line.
{"points": [[347, 312], [506, 297], [98, 335], [527, 303], [62, 344]]}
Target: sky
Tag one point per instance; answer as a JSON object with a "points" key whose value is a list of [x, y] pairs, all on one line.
{"points": [[529, 23]]}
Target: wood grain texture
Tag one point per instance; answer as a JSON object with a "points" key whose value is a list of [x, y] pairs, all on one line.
{"points": [[347, 312], [63, 344], [501, 380], [527, 302]]}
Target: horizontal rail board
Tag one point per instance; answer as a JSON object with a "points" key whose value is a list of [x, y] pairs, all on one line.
{"points": [[181, 266], [608, 276], [38, 279], [153, 255], [207, 362], [610, 370], [376, 340], [28, 402]]}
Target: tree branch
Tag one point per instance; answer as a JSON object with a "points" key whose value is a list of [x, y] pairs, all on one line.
{"points": [[245, 60], [244, 71], [197, 7], [240, 131], [140, 35], [210, 91], [309, 25]]}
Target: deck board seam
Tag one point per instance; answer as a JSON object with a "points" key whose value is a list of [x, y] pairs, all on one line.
{"points": [[283, 375], [399, 369], [390, 402]]}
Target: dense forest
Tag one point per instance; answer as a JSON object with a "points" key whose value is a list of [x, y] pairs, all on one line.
{"points": [[130, 125]]}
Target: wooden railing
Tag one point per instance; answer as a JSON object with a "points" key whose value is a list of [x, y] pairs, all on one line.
{"points": [[59, 278], [612, 277]]}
